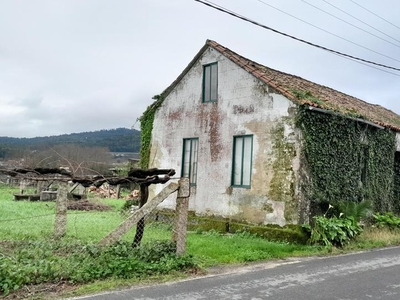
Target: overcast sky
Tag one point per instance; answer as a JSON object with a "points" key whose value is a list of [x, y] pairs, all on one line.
{"points": [[82, 65]]}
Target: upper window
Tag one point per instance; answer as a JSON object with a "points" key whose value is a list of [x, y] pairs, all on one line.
{"points": [[189, 159], [210, 82], [242, 160]]}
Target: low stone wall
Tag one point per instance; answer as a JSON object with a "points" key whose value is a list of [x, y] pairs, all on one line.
{"points": [[48, 196], [288, 233]]}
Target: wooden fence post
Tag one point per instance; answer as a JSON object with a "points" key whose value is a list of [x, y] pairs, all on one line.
{"points": [[182, 209], [60, 224]]}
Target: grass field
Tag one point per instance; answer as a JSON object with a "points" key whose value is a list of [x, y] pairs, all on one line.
{"points": [[35, 220], [24, 220], [30, 254]]}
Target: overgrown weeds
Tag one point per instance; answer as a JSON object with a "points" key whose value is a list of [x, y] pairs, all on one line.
{"points": [[35, 262], [28, 256]]}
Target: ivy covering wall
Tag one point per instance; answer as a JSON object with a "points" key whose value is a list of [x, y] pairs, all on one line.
{"points": [[343, 159], [146, 127], [347, 160], [397, 182]]}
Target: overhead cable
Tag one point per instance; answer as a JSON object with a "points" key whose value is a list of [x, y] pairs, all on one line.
{"points": [[212, 5], [365, 23], [375, 14], [367, 65], [344, 21], [331, 33]]}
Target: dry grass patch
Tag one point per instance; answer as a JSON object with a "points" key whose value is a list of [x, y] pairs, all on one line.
{"points": [[377, 237]]}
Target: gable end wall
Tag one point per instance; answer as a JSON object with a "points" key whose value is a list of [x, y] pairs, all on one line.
{"points": [[245, 106]]}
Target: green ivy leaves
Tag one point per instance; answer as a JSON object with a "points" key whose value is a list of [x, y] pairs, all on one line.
{"points": [[347, 160]]}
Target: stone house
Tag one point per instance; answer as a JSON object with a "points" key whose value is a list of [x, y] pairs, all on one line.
{"points": [[241, 132]]}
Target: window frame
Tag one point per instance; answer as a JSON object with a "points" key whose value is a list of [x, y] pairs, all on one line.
{"points": [[209, 98], [192, 177], [234, 154]]}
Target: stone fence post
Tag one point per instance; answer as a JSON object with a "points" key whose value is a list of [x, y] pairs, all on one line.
{"points": [[181, 217]]}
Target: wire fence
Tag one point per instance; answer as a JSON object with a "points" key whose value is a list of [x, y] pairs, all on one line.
{"points": [[36, 220]]}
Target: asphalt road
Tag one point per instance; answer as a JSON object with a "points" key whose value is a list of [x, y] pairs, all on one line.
{"points": [[367, 275]]}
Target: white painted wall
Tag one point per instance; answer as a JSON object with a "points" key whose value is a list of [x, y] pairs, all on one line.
{"points": [[245, 106]]}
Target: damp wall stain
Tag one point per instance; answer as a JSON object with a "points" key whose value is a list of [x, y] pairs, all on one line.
{"points": [[276, 167], [244, 106]]}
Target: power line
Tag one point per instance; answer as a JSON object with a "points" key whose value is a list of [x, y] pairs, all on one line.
{"points": [[220, 8], [364, 64], [375, 14], [365, 23], [355, 26], [331, 33]]}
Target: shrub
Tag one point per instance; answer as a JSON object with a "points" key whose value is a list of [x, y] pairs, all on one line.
{"points": [[334, 231], [339, 230], [355, 211], [387, 220], [128, 204]]}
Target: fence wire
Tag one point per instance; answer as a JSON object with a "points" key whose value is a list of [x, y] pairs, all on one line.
{"points": [[87, 220]]}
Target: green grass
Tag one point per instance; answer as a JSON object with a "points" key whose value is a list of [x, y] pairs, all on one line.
{"points": [[214, 248], [24, 219], [27, 230], [21, 220]]}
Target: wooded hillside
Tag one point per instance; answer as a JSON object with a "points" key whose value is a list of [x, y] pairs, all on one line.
{"points": [[116, 140]]}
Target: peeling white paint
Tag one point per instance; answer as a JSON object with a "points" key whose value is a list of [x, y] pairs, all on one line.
{"points": [[245, 106]]}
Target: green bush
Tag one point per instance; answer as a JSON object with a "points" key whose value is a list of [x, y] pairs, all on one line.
{"points": [[354, 210], [339, 224], [387, 220], [128, 204], [334, 231]]}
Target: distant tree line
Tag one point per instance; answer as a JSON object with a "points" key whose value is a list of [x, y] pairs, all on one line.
{"points": [[115, 140], [78, 159]]}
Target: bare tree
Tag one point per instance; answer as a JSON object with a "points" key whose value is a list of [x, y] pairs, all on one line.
{"points": [[81, 160]]}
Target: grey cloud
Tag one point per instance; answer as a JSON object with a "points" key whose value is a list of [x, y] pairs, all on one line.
{"points": [[70, 66]]}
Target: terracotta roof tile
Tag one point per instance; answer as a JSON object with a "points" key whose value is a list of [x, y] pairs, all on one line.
{"points": [[330, 99]]}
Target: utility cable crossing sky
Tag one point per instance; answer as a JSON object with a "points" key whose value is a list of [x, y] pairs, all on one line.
{"points": [[219, 8]]}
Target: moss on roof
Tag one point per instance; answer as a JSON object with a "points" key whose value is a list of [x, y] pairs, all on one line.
{"points": [[299, 90], [304, 91]]}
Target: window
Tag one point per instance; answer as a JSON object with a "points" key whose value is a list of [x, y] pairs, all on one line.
{"points": [[242, 160], [210, 82], [189, 159]]}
